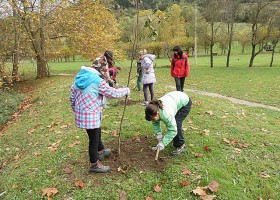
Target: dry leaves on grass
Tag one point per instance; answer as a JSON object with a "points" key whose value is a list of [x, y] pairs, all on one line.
{"points": [[49, 192], [67, 170], [80, 184], [73, 144], [184, 183], [202, 191], [186, 171], [157, 188]]}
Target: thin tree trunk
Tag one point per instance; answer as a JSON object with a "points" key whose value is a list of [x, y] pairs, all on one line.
{"points": [[211, 45], [230, 43], [272, 55], [252, 56], [15, 58]]}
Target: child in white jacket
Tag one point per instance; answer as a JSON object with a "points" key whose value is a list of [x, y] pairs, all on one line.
{"points": [[149, 78]]}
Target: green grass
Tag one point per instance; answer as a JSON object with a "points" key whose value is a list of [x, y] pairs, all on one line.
{"points": [[9, 103], [24, 175]]}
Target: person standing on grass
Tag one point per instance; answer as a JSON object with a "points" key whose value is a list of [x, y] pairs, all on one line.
{"points": [[171, 109], [87, 99], [180, 67], [149, 78]]}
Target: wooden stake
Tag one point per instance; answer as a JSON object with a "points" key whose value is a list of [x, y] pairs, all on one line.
{"points": [[156, 158]]}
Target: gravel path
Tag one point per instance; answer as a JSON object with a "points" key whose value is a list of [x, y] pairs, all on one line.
{"points": [[234, 100]]}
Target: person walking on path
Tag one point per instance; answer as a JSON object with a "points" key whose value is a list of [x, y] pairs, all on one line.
{"points": [[149, 78], [171, 109], [87, 99], [180, 67]]}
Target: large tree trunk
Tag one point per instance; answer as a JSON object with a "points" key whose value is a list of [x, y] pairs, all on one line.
{"points": [[230, 42], [273, 52], [211, 45]]}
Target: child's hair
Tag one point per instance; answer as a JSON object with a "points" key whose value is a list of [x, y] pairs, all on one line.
{"points": [[142, 52], [109, 56], [179, 50], [152, 109]]}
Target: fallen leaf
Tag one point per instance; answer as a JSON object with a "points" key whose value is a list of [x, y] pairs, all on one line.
{"points": [[157, 188], [115, 132], [233, 142], [80, 184], [213, 186], [186, 171], [226, 140], [49, 191], [184, 183], [37, 154], [73, 144], [245, 145], [198, 155], [67, 170], [64, 126], [149, 198], [122, 195], [206, 148], [236, 150], [206, 132], [264, 175], [200, 191], [31, 131]]}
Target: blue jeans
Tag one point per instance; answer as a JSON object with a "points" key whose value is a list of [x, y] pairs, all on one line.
{"points": [[179, 139]]}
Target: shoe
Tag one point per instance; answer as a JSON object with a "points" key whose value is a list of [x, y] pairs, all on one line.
{"points": [[104, 153], [98, 167], [179, 150], [144, 103]]}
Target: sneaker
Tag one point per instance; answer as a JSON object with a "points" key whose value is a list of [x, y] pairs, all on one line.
{"points": [[104, 153], [144, 103], [179, 150], [98, 167]]}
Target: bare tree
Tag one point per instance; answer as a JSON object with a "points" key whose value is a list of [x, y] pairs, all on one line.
{"points": [[260, 17], [230, 11], [212, 10], [275, 35]]}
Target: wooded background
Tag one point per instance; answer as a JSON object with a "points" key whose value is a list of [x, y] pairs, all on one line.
{"points": [[61, 30]]}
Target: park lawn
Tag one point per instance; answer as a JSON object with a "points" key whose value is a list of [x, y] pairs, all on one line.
{"points": [[239, 145], [260, 84]]}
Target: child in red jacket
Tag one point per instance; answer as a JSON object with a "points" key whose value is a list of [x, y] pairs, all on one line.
{"points": [[180, 67]]}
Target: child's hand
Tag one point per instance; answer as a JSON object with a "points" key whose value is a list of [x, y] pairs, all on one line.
{"points": [[160, 146], [159, 137]]}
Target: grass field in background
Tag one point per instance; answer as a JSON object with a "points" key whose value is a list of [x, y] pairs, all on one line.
{"points": [[259, 84]]}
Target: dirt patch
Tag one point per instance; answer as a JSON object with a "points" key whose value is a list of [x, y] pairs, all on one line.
{"points": [[128, 102], [135, 154]]}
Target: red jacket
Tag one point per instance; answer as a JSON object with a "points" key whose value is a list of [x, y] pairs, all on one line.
{"points": [[180, 67]]}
